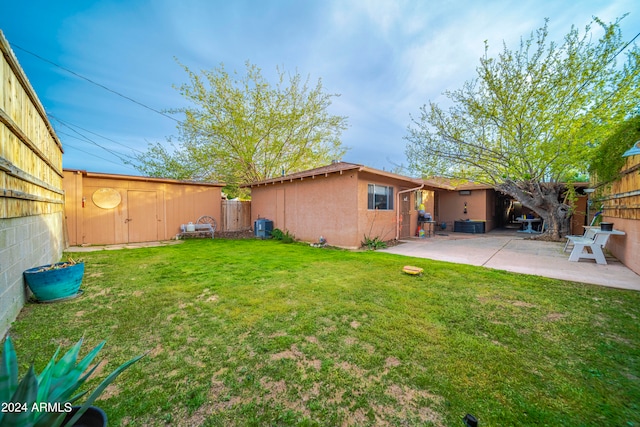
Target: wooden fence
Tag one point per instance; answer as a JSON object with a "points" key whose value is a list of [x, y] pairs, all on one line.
{"points": [[622, 199], [31, 195], [235, 215], [30, 152]]}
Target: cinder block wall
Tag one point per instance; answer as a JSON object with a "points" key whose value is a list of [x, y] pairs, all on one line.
{"points": [[25, 242]]}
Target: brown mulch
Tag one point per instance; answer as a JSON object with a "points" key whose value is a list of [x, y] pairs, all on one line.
{"points": [[246, 234]]}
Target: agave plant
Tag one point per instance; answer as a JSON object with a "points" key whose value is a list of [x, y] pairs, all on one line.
{"points": [[43, 400]]}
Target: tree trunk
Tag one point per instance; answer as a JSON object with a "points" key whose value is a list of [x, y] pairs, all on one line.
{"points": [[544, 198]]}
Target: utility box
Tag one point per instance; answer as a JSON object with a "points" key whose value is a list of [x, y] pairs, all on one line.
{"points": [[262, 228]]}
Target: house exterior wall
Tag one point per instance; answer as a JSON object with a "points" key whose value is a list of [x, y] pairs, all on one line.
{"points": [[149, 209], [625, 248], [479, 204], [31, 196], [312, 207], [332, 205], [382, 223]]}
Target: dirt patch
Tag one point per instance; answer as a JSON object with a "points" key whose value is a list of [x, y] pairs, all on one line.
{"points": [[413, 401], [293, 353], [391, 362], [352, 369], [523, 304], [350, 340], [156, 351], [274, 387], [312, 340], [356, 418], [315, 364], [355, 324], [277, 334], [552, 317], [112, 390], [246, 234]]}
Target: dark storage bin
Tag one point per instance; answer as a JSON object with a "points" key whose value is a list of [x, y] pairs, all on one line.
{"points": [[262, 228], [468, 227], [606, 226]]}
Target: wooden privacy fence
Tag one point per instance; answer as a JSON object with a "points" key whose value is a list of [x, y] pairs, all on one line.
{"points": [[623, 197], [235, 215], [30, 152]]}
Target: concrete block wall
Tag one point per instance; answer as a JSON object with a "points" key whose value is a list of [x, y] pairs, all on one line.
{"points": [[25, 242]]}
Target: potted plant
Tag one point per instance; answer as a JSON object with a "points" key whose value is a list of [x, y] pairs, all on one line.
{"points": [[47, 399], [55, 282]]}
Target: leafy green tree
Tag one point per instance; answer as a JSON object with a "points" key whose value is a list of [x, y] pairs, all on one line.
{"points": [[607, 160], [241, 129], [530, 119]]}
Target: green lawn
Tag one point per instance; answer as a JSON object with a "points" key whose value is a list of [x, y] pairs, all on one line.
{"points": [[255, 332]]}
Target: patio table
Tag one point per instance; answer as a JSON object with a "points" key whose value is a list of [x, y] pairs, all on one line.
{"points": [[529, 222]]}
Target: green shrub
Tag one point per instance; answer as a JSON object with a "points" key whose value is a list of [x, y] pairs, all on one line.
{"points": [[283, 236], [57, 385], [373, 243], [277, 234]]}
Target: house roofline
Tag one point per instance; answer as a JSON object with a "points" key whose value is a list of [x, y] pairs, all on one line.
{"points": [[334, 168], [141, 178]]}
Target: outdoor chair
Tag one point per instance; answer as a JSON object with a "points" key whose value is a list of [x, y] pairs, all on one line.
{"points": [[589, 232]]}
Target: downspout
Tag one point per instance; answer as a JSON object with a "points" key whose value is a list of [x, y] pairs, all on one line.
{"points": [[398, 208]]}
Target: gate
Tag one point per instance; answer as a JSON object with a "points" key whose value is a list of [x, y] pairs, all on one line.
{"points": [[236, 215]]}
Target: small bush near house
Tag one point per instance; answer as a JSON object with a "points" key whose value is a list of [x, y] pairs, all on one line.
{"points": [[277, 234], [283, 236], [373, 243]]}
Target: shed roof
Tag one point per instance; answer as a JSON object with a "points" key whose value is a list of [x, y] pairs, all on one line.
{"points": [[336, 167], [142, 178]]}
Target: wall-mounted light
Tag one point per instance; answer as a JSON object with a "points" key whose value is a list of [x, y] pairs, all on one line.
{"points": [[465, 207]]}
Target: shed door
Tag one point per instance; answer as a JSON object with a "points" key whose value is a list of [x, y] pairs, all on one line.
{"points": [[405, 216], [142, 216]]}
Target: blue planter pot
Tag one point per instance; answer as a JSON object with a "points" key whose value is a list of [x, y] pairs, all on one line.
{"points": [[55, 284]]}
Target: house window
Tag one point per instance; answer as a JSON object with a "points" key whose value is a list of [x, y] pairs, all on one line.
{"points": [[380, 197]]}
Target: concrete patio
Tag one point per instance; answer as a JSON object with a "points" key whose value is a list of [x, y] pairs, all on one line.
{"points": [[512, 251]]}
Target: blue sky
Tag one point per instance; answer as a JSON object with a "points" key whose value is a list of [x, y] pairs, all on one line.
{"points": [[385, 58]]}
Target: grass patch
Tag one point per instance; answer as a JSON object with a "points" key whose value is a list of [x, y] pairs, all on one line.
{"points": [[254, 332]]}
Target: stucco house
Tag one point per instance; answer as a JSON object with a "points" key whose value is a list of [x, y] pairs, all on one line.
{"points": [[342, 202]]}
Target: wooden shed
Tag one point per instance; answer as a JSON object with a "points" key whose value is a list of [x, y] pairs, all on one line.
{"points": [[31, 195], [107, 209]]}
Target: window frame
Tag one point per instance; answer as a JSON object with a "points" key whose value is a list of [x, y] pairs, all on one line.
{"points": [[373, 204]]}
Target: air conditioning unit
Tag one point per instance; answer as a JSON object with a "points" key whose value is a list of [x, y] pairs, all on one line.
{"points": [[262, 228]]}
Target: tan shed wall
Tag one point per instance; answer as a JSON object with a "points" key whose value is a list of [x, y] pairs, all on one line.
{"points": [[31, 196], [148, 211]]}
